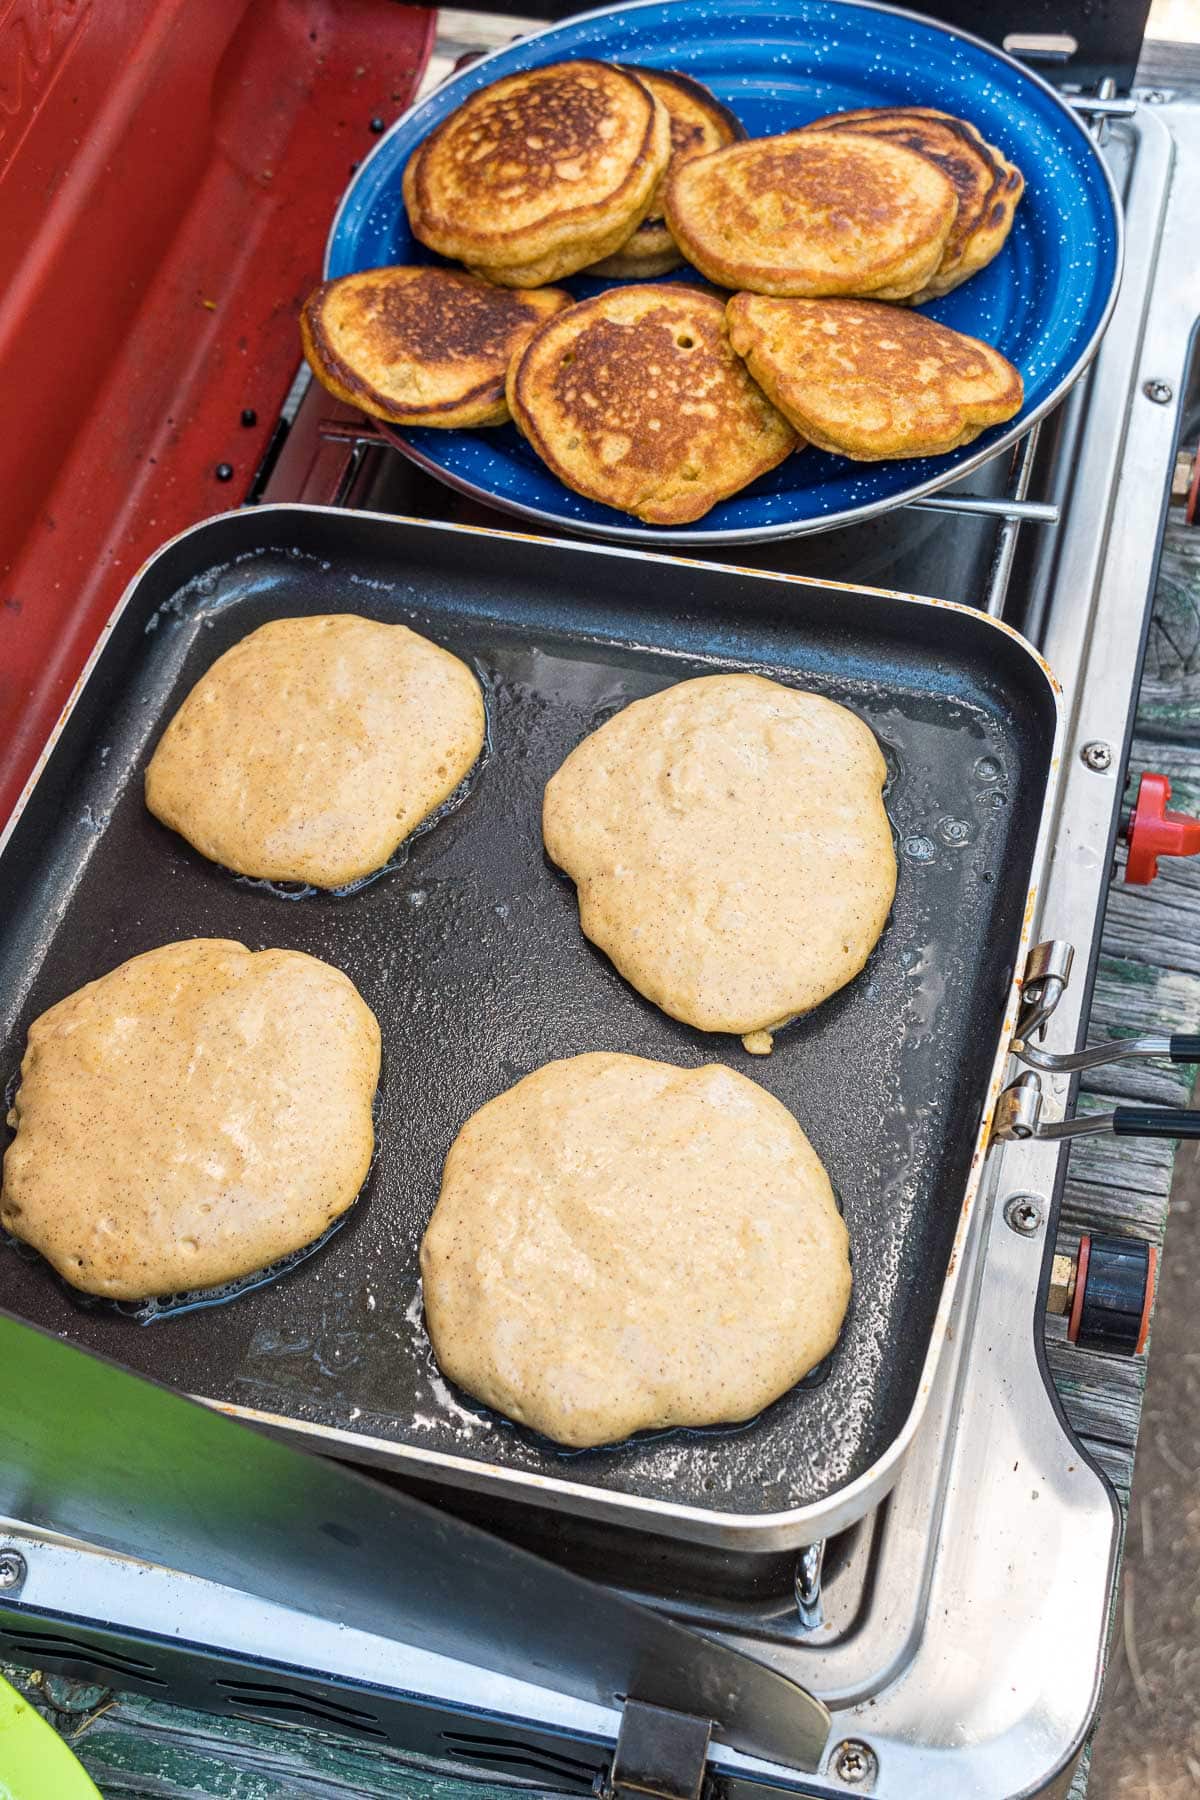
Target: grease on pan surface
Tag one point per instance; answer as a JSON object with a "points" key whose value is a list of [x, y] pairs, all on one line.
{"points": [[621, 1244], [637, 399], [872, 381], [730, 848], [421, 346], [313, 747], [192, 1116], [540, 173]]}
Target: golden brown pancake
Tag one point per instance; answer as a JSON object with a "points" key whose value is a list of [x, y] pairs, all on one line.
{"points": [[311, 749], [541, 173], [421, 346], [987, 185], [872, 381], [190, 1118], [813, 212], [636, 399], [730, 848], [699, 123], [622, 1244]]}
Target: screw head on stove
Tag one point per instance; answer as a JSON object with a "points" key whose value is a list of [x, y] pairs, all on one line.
{"points": [[1158, 391], [1097, 756], [1024, 1213], [13, 1570], [854, 1762]]}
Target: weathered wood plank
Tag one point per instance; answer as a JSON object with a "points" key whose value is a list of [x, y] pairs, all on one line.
{"points": [[1148, 979], [1169, 703]]}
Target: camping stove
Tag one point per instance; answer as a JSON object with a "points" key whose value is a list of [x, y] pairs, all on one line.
{"points": [[957, 1634]]}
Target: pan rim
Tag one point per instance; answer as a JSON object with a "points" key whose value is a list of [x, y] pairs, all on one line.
{"points": [[794, 1527], [639, 534]]}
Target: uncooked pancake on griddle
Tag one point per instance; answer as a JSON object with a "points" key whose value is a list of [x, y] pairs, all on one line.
{"points": [[541, 173], [729, 845], [190, 1118], [315, 746], [636, 398], [421, 346], [622, 1245], [813, 212]]}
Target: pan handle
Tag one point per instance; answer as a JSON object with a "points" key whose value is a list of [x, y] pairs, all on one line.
{"points": [[1019, 1118], [1045, 979], [1156, 1122], [1180, 1047]]}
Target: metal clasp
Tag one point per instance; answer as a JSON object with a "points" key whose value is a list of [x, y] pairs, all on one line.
{"points": [[1047, 975], [1019, 1117], [809, 1566], [660, 1754]]}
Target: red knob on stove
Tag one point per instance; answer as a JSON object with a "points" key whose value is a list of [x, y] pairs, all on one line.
{"points": [[1155, 832]]}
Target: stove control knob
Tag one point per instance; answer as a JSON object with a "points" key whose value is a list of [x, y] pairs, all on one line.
{"points": [[1152, 831], [1107, 1293]]}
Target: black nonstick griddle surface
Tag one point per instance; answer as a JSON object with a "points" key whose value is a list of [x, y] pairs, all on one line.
{"points": [[471, 956]]}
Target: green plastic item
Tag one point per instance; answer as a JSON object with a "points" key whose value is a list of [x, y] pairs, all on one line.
{"points": [[35, 1764]]}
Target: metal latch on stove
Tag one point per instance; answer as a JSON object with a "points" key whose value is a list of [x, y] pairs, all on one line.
{"points": [[1019, 1109], [660, 1755]]}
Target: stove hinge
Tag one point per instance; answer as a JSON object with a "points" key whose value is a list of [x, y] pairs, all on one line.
{"points": [[660, 1755], [1019, 1110]]}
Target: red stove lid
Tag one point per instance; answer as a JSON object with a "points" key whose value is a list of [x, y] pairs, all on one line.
{"points": [[168, 172]]}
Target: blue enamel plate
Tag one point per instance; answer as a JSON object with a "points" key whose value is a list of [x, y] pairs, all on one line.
{"points": [[1044, 301]]}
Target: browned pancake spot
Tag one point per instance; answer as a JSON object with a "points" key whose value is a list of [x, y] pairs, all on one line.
{"points": [[535, 137], [803, 180], [961, 155], [414, 320], [631, 398]]}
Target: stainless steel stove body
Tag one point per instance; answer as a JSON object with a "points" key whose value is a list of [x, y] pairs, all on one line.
{"points": [[957, 1634]]}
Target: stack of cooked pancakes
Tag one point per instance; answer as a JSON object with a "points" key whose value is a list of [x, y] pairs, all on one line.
{"points": [[541, 173], [894, 203], [813, 213], [986, 185], [648, 399], [699, 123]]}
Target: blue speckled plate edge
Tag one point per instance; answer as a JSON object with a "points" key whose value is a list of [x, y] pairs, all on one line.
{"points": [[787, 528]]}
